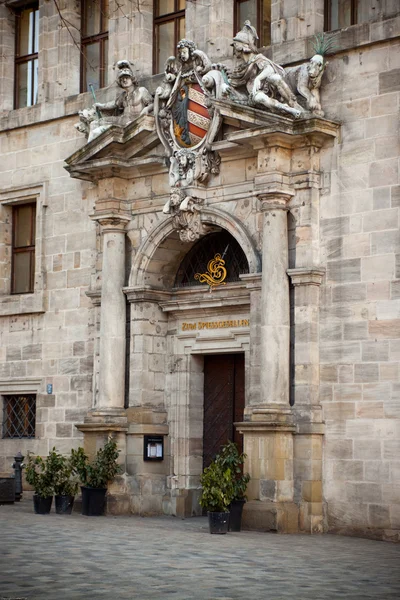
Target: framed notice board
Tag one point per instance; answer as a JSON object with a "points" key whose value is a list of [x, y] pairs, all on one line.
{"points": [[153, 447]]}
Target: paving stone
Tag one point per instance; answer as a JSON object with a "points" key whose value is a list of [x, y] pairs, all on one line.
{"points": [[73, 557]]}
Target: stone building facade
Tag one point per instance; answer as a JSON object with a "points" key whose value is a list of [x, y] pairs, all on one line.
{"points": [[110, 339]]}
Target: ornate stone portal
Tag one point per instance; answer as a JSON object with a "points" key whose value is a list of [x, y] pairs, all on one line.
{"points": [[283, 135]]}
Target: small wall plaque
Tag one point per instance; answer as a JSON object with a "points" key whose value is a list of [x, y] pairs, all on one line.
{"points": [[153, 448], [49, 388]]}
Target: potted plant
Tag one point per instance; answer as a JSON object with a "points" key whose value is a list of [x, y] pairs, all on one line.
{"points": [[216, 496], [65, 485], [40, 476], [95, 475], [231, 458]]}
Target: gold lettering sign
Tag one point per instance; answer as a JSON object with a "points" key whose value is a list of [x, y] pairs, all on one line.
{"points": [[215, 324], [216, 272]]}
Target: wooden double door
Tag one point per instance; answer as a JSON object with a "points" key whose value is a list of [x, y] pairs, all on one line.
{"points": [[223, 402]]}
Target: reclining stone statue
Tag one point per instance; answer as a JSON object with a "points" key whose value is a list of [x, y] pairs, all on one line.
{"points": [[263, 79]]}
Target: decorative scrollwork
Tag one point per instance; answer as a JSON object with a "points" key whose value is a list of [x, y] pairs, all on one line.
{"points": [[216, 272]]}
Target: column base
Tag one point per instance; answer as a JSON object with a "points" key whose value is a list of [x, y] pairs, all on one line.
{"points": [[279, 517]]}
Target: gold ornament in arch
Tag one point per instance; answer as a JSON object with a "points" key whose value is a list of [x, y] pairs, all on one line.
{"points": [[216, 272]]}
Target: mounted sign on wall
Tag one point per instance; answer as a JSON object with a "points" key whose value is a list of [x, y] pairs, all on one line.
{"points": [[153, 448]]}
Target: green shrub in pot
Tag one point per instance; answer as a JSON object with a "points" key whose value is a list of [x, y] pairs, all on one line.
{"points": [[95, 475]]}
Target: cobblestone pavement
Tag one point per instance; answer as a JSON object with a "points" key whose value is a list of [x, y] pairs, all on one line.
{"points": [[72, 557]]}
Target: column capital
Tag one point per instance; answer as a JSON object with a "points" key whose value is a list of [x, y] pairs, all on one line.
{"points": [[111, 222], [275, 199], [306, 275]]}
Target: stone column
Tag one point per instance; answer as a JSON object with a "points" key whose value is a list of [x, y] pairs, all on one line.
{"points": [[268, 428], [109, 415], [112, 316], [275, 311]]}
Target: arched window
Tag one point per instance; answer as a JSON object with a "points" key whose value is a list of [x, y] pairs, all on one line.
{"points": [[198, 257]]}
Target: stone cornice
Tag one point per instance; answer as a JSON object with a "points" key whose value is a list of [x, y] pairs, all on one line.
{"points": [[260, 426], [306, 276]]}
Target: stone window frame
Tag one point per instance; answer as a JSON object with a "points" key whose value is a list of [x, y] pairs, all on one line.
{"points": [[16, 304]]}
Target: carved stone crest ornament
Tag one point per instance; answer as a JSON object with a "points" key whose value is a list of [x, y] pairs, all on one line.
{"points": [[185, 118], [187, 114]]}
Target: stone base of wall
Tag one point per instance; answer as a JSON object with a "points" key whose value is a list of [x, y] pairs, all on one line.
{"points": [[270, 516], [385, 535]]}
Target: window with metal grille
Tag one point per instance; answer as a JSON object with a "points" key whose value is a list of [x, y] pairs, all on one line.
{"points": [[94, 42], [169, 28], [19, 416], [197, 259], [258, 12], [26, 56], [23, 248]]}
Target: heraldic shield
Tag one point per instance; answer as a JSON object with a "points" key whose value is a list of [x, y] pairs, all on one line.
{"points": [[190, 116]]}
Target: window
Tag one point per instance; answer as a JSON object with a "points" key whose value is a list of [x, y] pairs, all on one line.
{"points": [[258, 12], [169, 28], [198, 257], [19, 416], [26, 57], [94, 42], [343, 13], [23, 248]]}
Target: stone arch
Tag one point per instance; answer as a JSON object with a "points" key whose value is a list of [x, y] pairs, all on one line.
{"points": [[160, 255]]}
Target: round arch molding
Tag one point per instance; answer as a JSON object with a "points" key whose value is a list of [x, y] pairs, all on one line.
{"points": [[160, 255]]}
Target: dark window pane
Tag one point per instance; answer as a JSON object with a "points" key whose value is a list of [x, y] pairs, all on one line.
{"points": [[248, 11], [365, 12], [22, 272], [165, 42], [34, 89], [265, 29], [165, 7], [23, 227], [340, 14], [182, 30], [91, 17], [22, 78], [27, 39], [104, 15], [105, 63], [92, 65], [36, 33]]}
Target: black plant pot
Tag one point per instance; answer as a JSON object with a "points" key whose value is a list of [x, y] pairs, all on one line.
{"points": [[93, 501], [42, 506], [235, 519], [218, 522], [64, 504]]}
